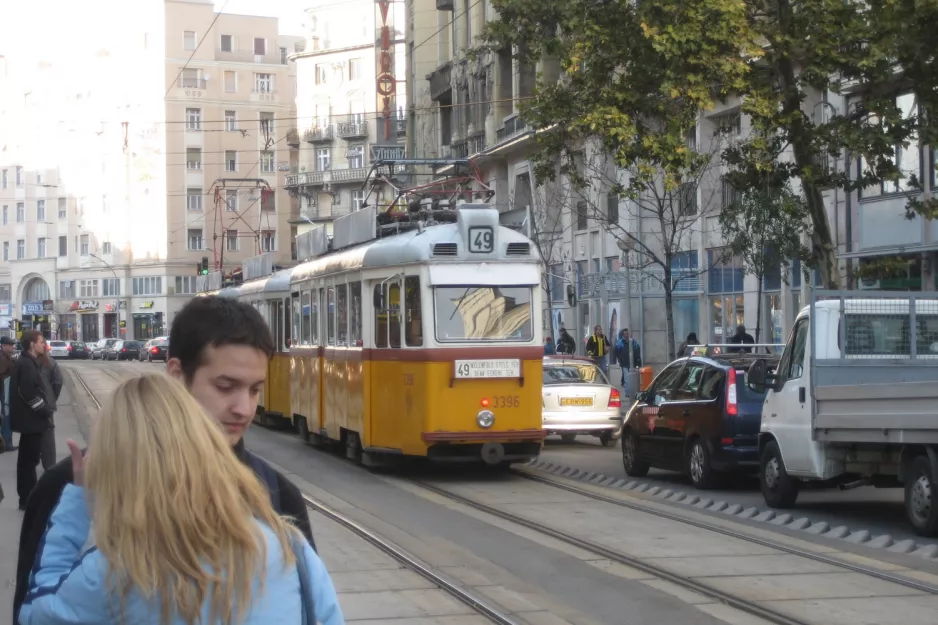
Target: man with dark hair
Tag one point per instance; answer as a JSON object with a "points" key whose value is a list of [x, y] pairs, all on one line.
{"points": [[30, 411], [220, 349]]}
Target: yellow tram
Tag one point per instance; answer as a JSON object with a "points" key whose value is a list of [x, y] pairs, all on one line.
{"points": [[419, 336]]}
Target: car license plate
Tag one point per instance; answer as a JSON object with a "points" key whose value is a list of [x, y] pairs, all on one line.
{"points": [[576, 401], [468, 369]]}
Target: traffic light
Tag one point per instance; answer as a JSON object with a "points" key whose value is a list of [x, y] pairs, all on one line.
{"points": [[204, 265]]}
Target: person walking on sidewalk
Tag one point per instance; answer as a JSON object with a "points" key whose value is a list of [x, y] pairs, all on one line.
{"points": [[6, 372], [597, 348], [219, 348], [31, 411], [214, 551], [52, 380]]}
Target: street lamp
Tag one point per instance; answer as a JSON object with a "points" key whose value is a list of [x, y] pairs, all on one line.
{"points": [[631, 374]]}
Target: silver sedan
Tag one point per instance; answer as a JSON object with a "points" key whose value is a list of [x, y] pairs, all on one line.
{"points": [[578, 399]]}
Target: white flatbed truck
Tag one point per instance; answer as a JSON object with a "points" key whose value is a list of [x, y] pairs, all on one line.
{"points": [[854, 401]]}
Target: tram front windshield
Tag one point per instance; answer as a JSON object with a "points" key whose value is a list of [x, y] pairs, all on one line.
{"points": [[483, 313]]}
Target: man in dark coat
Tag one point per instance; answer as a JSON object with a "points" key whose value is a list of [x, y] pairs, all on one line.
{"points": [[30, 410]]}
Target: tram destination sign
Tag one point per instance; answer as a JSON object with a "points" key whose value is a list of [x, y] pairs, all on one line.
{"points": [[484, 369]]}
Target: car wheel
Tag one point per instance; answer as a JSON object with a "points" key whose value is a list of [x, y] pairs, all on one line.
{"points": [[699, 468], [605, 439], [779, 489], [630, 456], [568, 438], [920, 491]]}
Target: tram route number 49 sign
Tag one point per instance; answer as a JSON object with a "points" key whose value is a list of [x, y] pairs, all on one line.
{"points": [[468, 369], [481, 239]]}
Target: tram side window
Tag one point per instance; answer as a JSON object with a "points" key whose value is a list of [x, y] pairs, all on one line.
{"points": [[287, 324], [314, 317], [355, 314], [413, 329], [275, 310], [381, 319], [330, 315], [394, 311], [307, 311], [341, 313], [296, 316]]}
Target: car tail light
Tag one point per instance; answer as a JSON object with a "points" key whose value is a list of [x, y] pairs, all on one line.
{"points": [[731, 407], [154, 350], [615, 400], [123, 349], [68, 348]]}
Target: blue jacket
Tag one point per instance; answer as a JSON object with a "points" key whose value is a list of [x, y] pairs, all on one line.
{"points": [[68, 583]]}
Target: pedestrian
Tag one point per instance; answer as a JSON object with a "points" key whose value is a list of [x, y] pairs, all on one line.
{"points": [[565, 343], [597, 347], [52, 380], [741, 338], [219, 348], [549, 349], [163, 524], [30, 411], [690, 341], [6, 372], [627, 359]]}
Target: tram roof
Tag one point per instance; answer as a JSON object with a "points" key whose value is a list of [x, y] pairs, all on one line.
{"points": [[410, 247]]}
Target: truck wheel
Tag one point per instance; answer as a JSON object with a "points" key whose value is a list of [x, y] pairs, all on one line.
{"points": [[699, 467], [779, 489], [920, 491], [633, 466]]}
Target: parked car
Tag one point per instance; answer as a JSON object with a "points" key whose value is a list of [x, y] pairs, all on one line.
{"points": [[58, 349], [578, 399], [698, 417], [78, 350], [155, 349], [99, 350], [123, 350]]}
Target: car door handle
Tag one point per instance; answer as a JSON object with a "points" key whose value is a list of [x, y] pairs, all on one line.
{"points": [[801, 394]]}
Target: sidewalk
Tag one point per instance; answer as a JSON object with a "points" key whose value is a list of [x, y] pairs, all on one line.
{"points": [[67, 419]]}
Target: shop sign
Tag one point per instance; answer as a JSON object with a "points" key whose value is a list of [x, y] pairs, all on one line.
{"points": [[83, 306], [146, 304], [37, 308]]}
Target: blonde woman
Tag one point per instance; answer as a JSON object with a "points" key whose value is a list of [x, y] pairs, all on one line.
{"points": [[181, 531]]}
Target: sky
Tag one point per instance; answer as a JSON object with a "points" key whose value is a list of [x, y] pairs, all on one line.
{"points": [[290, 12]]}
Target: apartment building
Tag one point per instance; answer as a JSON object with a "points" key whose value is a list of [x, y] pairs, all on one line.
{"points": [[341, 129], [117, 182], [469, 108]]}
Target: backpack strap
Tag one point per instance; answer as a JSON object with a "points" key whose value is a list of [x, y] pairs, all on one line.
{"points": [[268, 476]]}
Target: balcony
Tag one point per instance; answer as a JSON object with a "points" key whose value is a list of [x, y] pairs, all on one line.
{"points": [[444, 5], [293, 138], [359, 174], [264, 95], [241, 56], [320, 134], [191, 83], [295, 181], [476, 143], [460, 149], [440, 80], [353, 129], [512, 127], [320, 213]]}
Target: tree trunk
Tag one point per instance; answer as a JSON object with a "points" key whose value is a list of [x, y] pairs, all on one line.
{"points": [[669, 310], [759, 308]]}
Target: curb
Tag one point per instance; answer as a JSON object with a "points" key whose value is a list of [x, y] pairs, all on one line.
{"points": [[927, 551]]}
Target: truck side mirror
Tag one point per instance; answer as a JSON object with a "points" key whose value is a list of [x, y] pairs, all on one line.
{"points": [[379, 299], [756, 377]]}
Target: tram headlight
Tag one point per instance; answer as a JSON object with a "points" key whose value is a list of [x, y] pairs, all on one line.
{"points": [[485, 419]]}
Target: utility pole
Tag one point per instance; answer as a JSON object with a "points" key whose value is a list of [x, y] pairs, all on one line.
{"points": [[221, 184]]}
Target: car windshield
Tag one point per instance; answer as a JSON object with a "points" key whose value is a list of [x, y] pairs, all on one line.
{"points": [[573, 373], [483, 313], [57, 343], [159, 343]]}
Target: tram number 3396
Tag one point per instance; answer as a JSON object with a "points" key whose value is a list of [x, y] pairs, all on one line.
{"points": [[481, 239], [506, 401]]}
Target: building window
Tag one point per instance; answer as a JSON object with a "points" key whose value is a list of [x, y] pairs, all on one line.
{"points": [[66, 289], [40, 210], [5, 292], [41, 248], [6, 250], [151, 285], [185, 285], [4, 178], [354, 69], [268, 241], [582, 218], [193, 158], [227, 43], [193, 119], [231, 242], [106, 247], [322, 72], [188, 40], [687, 199], [336, 198], [84, 244], [110, 287], [20, 212], [267, 162], [231, 82], [231, 121], [87, 288], [19, 176], [194, 199], [192, 78], [267, 123], [6, 214], [264, 83], [356, 156], [260, 46], [63, 246], [323, 159], [358, 199], [20, 249], [283, 56], [231, 160], [194, 239], [231, 199], [63, 208]]}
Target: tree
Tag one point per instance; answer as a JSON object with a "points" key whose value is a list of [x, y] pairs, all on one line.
{"points": [[764, 230], [637, 76]]}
